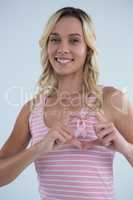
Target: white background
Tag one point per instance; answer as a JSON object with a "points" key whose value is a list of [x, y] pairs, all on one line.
{"points": [[21, 25]]}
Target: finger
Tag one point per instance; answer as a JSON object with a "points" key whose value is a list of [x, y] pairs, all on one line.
{"points": [[68, 129], [69, 139], [107, 140], [65, 133], [76, 143], [101, 126], [60, 126], [101, 134], [58, 138], [72, 142], [58, 147], [90, 144]]}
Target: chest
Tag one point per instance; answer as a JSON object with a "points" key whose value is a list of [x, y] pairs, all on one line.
{"points": [[54, 111], [59, 112]]}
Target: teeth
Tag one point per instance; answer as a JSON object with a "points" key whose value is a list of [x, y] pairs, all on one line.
{"points": [[63, 61]]}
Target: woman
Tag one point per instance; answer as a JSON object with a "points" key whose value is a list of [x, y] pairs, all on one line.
{"points": [[74, 124]]}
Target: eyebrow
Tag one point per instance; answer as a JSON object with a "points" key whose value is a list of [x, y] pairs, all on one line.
{"points": [[72, 34]]}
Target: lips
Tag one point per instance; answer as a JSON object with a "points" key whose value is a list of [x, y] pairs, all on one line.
{"points": [[63, 60]]}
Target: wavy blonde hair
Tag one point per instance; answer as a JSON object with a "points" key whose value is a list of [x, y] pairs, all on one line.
{"points": [[48, 80]]}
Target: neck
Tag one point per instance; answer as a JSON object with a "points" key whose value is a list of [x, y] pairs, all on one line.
{"points": [[70, 85]]}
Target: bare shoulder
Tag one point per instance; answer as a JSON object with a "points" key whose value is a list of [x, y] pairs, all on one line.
{"points": [[20, 134], [109, 92], [114, 99], [117, 103]]}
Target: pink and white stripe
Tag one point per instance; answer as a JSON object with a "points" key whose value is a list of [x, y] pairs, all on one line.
{"points": [[71, 173]]}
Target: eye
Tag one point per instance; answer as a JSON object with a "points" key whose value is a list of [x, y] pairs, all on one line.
{"points": [[74, 40], [54, 40]]}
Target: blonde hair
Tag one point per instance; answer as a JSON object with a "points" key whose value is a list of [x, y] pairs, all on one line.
{"points": [[48, 80]]}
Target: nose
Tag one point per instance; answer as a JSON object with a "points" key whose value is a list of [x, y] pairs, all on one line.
{"points": [[63, 47]]}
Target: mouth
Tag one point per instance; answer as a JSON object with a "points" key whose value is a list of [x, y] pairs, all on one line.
{"points": [[63, 60]]}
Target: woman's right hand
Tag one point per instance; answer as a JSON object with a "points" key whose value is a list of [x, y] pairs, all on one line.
{"points": [[57, 137]]}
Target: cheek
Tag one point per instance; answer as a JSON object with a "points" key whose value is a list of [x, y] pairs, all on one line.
{"points": [[81, 53], [80, 49], [50, 50]]}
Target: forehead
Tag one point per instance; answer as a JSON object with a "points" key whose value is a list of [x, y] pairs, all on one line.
{"points": [[67, 26]]}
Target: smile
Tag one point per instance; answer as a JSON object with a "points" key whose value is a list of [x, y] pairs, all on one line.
{"points": [[63, 60]]}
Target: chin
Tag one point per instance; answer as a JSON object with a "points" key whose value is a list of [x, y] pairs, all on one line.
{"points": [[65, 73], [62, 70], [62, 73]]}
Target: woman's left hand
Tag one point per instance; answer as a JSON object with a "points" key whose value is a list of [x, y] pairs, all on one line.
{"points": [[109, 136]]}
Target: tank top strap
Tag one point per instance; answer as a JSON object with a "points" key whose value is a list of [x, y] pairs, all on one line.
{"points": [[101, 87], [45, 99]]}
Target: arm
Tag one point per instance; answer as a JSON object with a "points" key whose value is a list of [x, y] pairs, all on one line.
{"points": [[12, 166], [14, 156], [122, 114]]}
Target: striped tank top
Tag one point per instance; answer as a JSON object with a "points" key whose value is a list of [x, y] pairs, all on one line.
{"points": [[70, 173]]}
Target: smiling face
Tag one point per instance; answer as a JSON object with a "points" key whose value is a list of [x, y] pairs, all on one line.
{"points": [[66, 47]]}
